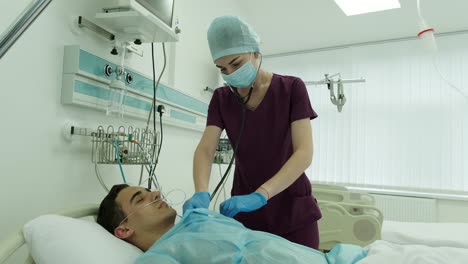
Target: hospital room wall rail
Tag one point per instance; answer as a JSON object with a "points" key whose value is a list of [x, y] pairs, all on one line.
{"points": [[360, 44], [20, 25]]}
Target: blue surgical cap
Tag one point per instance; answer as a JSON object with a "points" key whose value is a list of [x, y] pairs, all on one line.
{"points": [[229, 35]]}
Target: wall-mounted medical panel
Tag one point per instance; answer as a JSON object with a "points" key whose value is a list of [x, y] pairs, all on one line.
{"points": [[85, 83]]}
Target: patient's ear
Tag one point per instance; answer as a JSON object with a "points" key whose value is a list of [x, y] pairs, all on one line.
{"points": [[123, 232]]}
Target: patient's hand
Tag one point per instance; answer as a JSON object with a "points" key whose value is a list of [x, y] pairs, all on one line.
{"points": [[242, 203]]}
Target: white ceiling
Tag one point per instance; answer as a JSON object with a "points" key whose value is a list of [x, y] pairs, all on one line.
{"points": [[296, 25]]}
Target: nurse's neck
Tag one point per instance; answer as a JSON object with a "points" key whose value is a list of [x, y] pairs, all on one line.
{"points": [[261, 84]]}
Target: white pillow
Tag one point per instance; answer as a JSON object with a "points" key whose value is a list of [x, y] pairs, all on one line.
{"points": [[55, 239]]}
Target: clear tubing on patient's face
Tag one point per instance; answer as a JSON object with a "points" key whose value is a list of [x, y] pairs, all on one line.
{"points": [[141, 207]]}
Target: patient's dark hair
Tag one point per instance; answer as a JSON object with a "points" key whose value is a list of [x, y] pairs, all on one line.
{"points": [[110, 213]]}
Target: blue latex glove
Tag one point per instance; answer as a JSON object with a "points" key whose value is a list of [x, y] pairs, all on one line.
{"points": [[198, 200], [242, 203]]}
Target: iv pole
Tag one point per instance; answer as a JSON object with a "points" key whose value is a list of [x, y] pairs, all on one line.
{"points": [[339, 100]]}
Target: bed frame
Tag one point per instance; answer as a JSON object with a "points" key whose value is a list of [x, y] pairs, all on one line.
{"points": [[348, 224], [13, 243], [347, 217]]}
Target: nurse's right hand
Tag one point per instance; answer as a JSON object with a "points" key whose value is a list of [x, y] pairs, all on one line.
{"points": [[198, 200]]}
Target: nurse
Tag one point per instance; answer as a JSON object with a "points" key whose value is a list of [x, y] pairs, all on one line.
{"points": [[268, 116]]}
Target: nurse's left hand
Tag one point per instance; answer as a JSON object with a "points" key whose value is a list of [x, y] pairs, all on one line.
{"points": [[242, 203]]}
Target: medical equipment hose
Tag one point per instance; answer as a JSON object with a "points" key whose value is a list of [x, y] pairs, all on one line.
{"points": [[427, 35]]}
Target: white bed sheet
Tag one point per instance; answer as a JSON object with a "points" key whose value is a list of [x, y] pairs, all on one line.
{"points": [[383, 252], [429, 234]]}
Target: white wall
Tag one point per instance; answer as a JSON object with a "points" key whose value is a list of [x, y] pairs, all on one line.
{"points": [[195, 18], [42, 172]]}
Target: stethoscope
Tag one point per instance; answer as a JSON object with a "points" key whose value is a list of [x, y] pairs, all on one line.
{"points": [[242, 100]]}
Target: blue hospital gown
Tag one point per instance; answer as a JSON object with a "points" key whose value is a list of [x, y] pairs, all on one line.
{"points": [[204, 236]]}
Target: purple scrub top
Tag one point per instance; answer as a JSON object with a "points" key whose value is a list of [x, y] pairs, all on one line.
{"points": [[265, 146]]}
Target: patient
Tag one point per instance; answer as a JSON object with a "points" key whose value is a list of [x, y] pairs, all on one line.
{"points": [[141, 218]]}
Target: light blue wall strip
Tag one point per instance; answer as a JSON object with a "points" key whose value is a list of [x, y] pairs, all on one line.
{"points": [[95, 65], [184, 117], [136, 103], [102, 93], [91, 90]]}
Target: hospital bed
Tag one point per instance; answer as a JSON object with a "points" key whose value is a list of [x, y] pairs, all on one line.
{"points": [[381, 252], [347, 217]]}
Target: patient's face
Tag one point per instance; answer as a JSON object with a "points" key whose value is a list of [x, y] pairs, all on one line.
{"points": [[134, 203]]}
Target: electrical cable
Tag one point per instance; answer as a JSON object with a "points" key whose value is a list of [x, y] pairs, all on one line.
{"points": [[160, 141], [153, 105], [160, 110], [154, 110], [156, 158]]}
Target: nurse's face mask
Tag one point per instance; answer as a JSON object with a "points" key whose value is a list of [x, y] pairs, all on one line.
{"points": [[242, 77]]}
